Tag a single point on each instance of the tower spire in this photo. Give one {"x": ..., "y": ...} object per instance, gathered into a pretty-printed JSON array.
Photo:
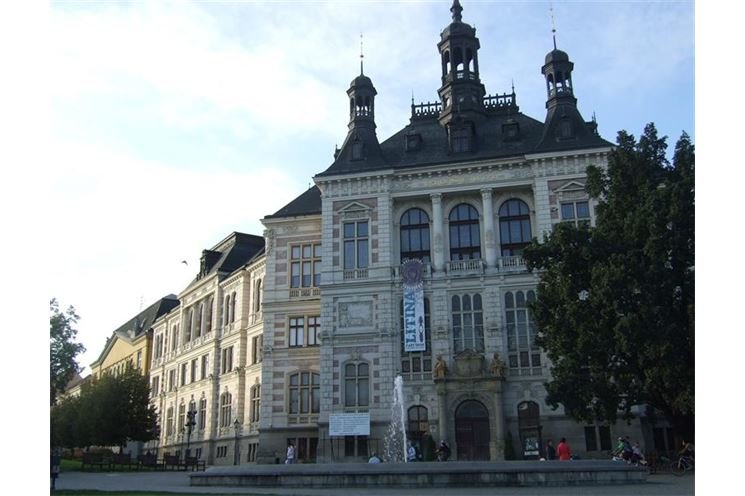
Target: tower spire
[
  {"x": 553, "y": 25},
  {"x": 362, "y": 56},
  {"x": 456, "y": 9}
]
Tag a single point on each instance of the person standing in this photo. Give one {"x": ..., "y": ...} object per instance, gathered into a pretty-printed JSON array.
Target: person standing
[
  {"x": 550, "y": 450},
  {"x": 563, "y": 450},
  {"x": 411, "y": 453},
  {"x": 290, "y": 454},
  {"x": 443, "y": 452}
]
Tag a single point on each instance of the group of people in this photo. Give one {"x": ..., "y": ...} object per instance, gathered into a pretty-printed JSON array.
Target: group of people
[
  {"x": 561, "y": 451},
  {"x": 627, "y": 452}
]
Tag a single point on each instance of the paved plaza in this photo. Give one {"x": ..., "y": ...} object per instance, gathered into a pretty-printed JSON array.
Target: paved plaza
[{"x": 178, "y": 482}]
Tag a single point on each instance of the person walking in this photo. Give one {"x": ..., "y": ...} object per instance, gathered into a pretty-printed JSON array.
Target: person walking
[
  {"x": 563, "y": 450},
  {"x": 550, "y": 450},
  {"x": 290, "y": 454}
]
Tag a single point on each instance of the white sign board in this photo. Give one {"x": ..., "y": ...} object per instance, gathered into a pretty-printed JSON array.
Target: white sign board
[{"x": 349, "y": 424}]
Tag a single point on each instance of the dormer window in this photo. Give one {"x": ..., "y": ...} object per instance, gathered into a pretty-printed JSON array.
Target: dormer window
[
  {"x": 565, "y": 130},
  {"x": 460, "y": 140},
  {"x": 511, "y": 131},
  {"x": 357, "y": 149},
  {"x": 413, "y": 142}
]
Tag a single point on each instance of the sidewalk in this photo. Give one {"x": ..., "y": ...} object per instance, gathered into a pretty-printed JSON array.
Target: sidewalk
[{"x": 178, "y": 482}]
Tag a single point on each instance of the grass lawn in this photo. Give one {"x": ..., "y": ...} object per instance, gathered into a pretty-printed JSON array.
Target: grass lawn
[{"x": 69, "y": 465}]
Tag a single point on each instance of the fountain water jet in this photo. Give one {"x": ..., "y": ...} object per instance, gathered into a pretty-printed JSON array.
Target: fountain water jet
[{"x": 395, "y": 443}]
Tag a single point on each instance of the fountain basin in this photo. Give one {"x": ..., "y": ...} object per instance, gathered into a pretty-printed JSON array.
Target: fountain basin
[{"x": 425, "y": 474}]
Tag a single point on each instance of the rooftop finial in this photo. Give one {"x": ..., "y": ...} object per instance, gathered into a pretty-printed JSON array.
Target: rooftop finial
[
  {"x": 553, "y": 25},
  {"x": 456, "y": 9},
  {"x": 362, "y": 56}
]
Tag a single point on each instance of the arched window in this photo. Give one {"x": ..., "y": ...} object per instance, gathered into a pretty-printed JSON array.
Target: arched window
[
  {"x": 514, "y": 227},
  {"x": 232, "y": 308},
  {"x": 468, "y": 323},
  {"x": 305, "y": 393},
  {"x": 465, "y": 237},
  {"x": 357, "y": 385},
  {"x": 208, "y": 318},
  {"x": 523, "y": 353},
  {"x": 418, "y": 424},
  {"x": 255, "y": 403},
  {"x": 226, "y": 404},
  {"x": 226, "y": 312},
  {"x": 415, "y": 235},
  {"x": 200, "y": 314}
]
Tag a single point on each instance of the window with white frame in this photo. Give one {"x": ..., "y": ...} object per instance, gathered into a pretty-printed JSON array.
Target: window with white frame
[
  {"x": 465, "y": 236},
  {"x": 468, "y": 322},
  {"x": 414, "y": 233},
  {"x": 357, "y": 385},
  {"x": 208, "y": 315},
  {"x": 232, "y": 307},
  {"x": 305, "y": 393},
  {"x": 227, "y": 360},
  {"x": 305, "y": 265},
  {"x": 576, "y": 212},
  {"x": 169, "y": 421},
  {"x": 174, "y": 337},
  {"x": 193, "y": 371},
  {"x": 523, "y": 353},
  {"x": 202, "y": 417},
  {"x": 205, "y": 366},
  {"x": 183, "y": 373},
  {"x": 514, "y": 227},
  {"x": 226, "y": 405},
  {"x": 304, "y": 331},
  {"x": 171, "y": 379},
  {"x": 181, "y": 416},
  {"x": 255, "y": 396},
  {"x": 257, "y": 352},
  {"x": 356, "y": 247},
  {"x": 155, "y": 388},
  {"x": 257, "y": 296}
]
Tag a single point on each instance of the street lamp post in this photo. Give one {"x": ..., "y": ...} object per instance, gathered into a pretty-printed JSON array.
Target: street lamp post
[
  {"x": 236, "y": 455},
  {"x": 190, "y": 423}
]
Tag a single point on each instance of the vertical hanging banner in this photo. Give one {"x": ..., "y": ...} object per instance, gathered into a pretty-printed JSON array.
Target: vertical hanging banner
[{"x": 414, "y": 331}]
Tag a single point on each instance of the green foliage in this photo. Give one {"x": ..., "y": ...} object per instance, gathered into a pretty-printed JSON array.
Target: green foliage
[
  {"x": 63, "y": 348},
  {"x": 615, "y": 303},
  {"x": 109, "y": 412}
]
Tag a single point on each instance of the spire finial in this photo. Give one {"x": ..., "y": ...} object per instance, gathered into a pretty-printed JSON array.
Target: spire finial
[
  {"x": 553, "y": 25},
  {"x": 362, "y": 56},
  {"x": 456, "y": 9},
  {"x": 412, "y": 96}
]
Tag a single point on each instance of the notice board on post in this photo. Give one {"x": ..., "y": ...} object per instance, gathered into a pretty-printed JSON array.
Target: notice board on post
[{"x": 349, "y": 424}]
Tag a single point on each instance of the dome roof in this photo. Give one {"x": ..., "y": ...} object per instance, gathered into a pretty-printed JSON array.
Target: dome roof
[
  {"x": 361, "y": 80},
  {"x": 556, "y": 55}
]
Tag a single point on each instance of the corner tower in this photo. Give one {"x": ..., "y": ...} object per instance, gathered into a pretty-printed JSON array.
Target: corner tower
[{"x": 461, "y": 93}]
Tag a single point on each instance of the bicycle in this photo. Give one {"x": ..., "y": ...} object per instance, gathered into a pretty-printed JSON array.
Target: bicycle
[{"x": 682, "y": 465}]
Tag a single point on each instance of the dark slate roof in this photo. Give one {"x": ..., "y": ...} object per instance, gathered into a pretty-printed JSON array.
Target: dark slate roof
[
  {"x": 229, "y": 255},
  {"x": 140, "y": 323},
  {"x": 583, "y": 133},
  {"x": 308, "y": 203}
]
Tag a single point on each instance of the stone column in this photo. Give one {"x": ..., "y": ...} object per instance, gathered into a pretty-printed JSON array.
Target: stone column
[
  {"x": 438, "y": 258},
  {"x": 499, "y": 419},
  {"x": 442, "y": 424},
  {"x": 490, "y": 241}
]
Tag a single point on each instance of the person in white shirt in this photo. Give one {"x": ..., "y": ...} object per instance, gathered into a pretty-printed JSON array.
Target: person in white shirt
[{"x": 290, "y": 454}]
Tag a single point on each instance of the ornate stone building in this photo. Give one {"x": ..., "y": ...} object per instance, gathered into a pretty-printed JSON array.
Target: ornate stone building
[{"x": 309, "y": 326}]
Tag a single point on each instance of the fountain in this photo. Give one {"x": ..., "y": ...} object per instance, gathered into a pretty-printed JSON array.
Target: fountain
[{"x": 394, "y": 444}]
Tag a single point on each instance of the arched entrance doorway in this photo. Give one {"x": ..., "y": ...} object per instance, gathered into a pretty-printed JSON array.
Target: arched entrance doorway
[{"x": 472, "y": 431}]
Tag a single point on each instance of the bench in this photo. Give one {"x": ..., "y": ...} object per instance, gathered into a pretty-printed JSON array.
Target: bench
[
  {"x": 172, "y": 461},
  {"x": 99, "y": 460},
  {"x": 149, "y": 460},
  {"x": 194, "y": 464},
  {"x": 123, "y": 460}
]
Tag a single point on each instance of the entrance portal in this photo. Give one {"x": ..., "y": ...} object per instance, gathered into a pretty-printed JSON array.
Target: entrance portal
[{"x": 472, "y": 431}]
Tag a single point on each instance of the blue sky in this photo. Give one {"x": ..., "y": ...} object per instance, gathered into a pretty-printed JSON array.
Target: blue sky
[{"x": 180, "y": 122}]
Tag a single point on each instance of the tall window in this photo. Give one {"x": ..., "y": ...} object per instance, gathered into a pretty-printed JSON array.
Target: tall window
[
  {"x": 189, "y": 315},
  {"x": 232, "y": 308},
  {"x": 202, "y": 418},
  {"x": 304, "y": 331},
  {"x": 169, "y": 421},
  {"x": 597, "y": 438},
  {"x": 357, "y": 385},
  {"x": 417, "y": 364},
  {"x": 257, "y": 343},
  {"x": 255, "y": 403},
  {"x": 174, "y": 337},
  {"x": 465, "y": 238},
  {"x": 468, "y": 323},
  {"x": 418, "y": 423},
  {"x": 576, "y": 212},
  {"x": 208, "y": 317},
  {"x": 194, "y": 369},
  {"x": 226, "y": 400},
  {"x": 305, "y": 266},
  {"x": 205, "y": 365},
  {"x": 171, "y": 379},
  {"x": 356, "y": 239},
  {"x": 415, "y": 235},
  {"x": 183, "y": 373},
  {"x": 305, "y": 392},
  {"x": 227, "y": 360},
  {"x": 257, "y": 296},
  {"x": 181, "y": 416},
  {"x": 227, "y": 310},
  {"x": 514, "y": 227},
  {"x": 460, "y": 140},
  {"x": 522, "y": 351},
  {"x": 199, "y": 315},
  {"x": 155, "y": 388}
]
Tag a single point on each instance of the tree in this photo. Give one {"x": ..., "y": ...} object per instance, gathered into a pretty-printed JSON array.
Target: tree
[
  {"x": 110, "y": 411},
  {"x": 63, "y": 348},
  {"x": 615, "y": 304}
]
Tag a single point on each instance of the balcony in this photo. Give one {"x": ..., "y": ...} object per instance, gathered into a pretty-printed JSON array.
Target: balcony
[
  {"x": 355, "y": 274},
  {"x": 514, "y": 263},
  {"x": 308, "y": 292},
  {"x": 465, "y": 267}
]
